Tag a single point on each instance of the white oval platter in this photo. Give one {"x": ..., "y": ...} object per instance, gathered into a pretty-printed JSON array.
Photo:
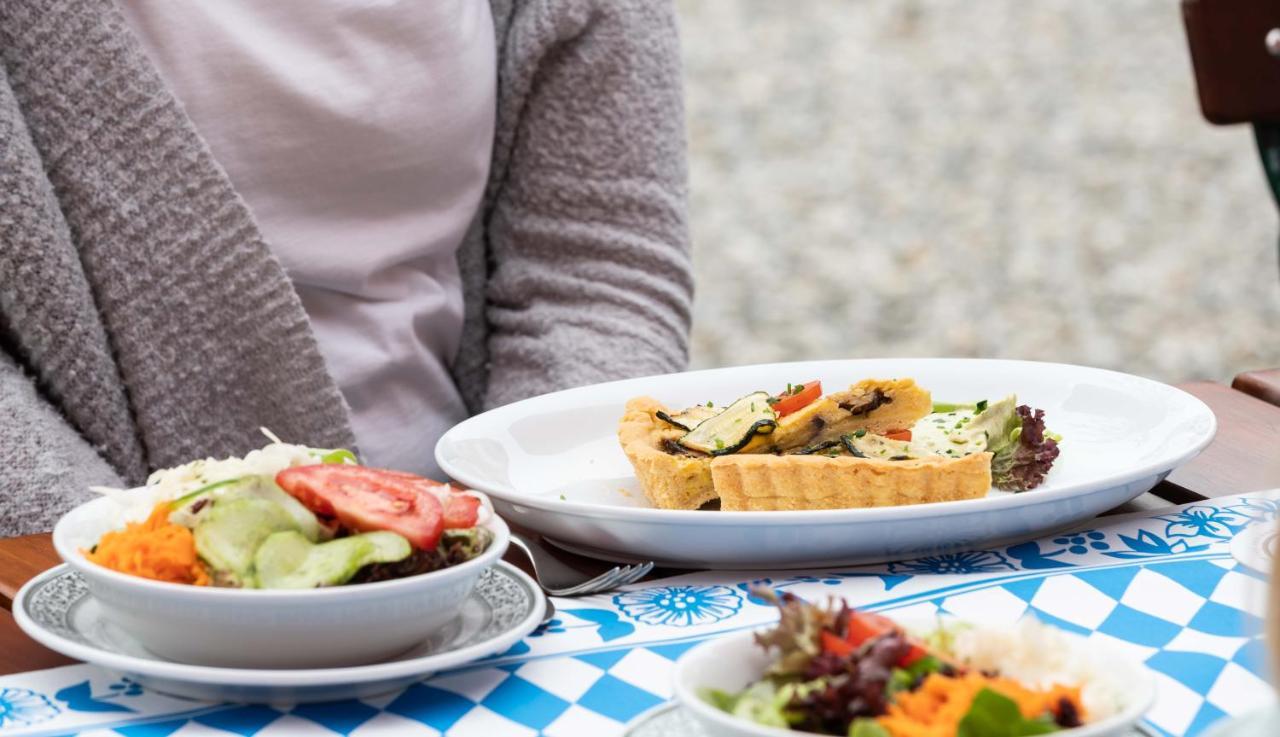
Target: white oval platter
[{"x": 553, "y": 464}]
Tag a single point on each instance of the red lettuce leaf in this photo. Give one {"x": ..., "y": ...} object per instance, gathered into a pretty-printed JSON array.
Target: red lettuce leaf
[{"x": 1022, "y": 464}]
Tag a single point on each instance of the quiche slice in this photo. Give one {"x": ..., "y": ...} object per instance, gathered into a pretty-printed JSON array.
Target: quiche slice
[
  {"x": 749, "y": 458},
  {"x": 672, "y": 477}
]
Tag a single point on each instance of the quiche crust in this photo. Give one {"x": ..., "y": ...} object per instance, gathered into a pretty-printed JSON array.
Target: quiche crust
[
  {"x": 769, "y": 482},
  {"x": 670, "y": 481}
]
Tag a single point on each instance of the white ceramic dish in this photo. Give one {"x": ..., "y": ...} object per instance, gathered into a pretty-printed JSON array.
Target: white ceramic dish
[
  {"x": 56, "y": 610},
  {"x": 251, "y": 628},
  {"x": 552, "y": 463},
  {"x": 733, "y": 662},
  {"x": 1256, "y": 547}
]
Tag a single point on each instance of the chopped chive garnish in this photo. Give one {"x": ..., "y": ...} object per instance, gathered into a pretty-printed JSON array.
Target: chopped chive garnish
[
  {"x": 719, "y": 444},
  {"x": 980, "y": 407},
  {"x": 860, "y": 433}
]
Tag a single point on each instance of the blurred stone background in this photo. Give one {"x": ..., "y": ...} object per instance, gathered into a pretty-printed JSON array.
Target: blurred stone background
[{"x": 994, "y": 178}]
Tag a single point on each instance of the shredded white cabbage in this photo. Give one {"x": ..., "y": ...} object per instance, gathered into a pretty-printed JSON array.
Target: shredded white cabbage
[
  {"x": 1039, "y": 655},
  {"x": 267, "y": 461},
  {"x": 170, "y": 483}
]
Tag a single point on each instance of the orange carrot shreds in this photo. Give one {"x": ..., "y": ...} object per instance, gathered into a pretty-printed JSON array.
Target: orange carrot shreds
[
  {"x": 936, "y": 708},
  {"x": 157, "y": 549}
]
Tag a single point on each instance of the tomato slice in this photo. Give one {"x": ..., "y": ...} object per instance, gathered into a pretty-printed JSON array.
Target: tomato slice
[
  {"x": 899, "y": 435},
  {"x": 368, "y": 499},
  {"x": 864, "y": 626},
  {"x": 461, "y": 511},
  {"x": 797, "y": 397},
  {"x": 832, "y": 643},
  {"x": 917, "y": 652}
]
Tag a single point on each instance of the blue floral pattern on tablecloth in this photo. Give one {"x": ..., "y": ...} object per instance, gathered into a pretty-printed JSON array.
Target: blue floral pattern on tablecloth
[
  {"x": 1100, "y": 579},
  {"x": 1146, "y": 544},
  {"x": 679, "y": 606},
  {"x": 21, "y": 707},
  {"x": 1080, "y": 542},
  {"x": 976, "y": 561},
  {"x": 1205, "y": 521}
]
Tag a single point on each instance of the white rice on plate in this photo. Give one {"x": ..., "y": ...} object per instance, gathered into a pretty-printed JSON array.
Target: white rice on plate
[{"x": 1039, "y": 655}]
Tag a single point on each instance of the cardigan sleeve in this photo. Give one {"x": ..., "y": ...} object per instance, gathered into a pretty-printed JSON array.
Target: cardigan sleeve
[
  {"x": 590, "y": 271},
  {"x": 46, "y": 467}
]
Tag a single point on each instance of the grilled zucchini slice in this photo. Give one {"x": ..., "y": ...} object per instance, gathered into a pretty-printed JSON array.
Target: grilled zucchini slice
[
  {"x": 690, "y": 418},
  {"x": 731, "y": 430}
]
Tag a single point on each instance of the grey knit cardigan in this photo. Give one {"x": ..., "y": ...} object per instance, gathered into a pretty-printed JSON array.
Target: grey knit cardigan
[{"x": 144, "y": 321}]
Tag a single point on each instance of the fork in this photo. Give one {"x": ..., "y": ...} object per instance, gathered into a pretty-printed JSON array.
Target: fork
[{"x": 558, "y": 578}]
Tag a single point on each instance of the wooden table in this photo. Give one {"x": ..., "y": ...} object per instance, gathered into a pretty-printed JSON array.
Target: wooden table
[{"x": 1242, "y": 458}]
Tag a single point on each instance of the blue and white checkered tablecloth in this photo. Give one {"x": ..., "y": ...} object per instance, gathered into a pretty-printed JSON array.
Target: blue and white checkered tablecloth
[{"x": 1162, "y": 587}]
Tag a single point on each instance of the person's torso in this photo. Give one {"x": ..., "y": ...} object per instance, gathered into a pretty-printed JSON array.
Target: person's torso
[{"x": 359, "y": 134}]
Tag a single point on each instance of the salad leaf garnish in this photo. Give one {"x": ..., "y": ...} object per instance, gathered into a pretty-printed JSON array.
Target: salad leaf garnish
[
  {"x": 1023, "y": 452},
  {"x": 722, "y": 700},
  {"x": 905, "y": 679},
  {"x": 867, "y": 728},
  {"x": 796, "y": 636},
  {"x": 339, "y": 455},
  {"x": 760, "y": 702},
  {"x": 995, "y": 715},
  {"x": 852, "y": 687}
]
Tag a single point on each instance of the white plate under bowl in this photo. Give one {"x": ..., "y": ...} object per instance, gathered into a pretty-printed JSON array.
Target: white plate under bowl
[
  {"x": 1256, "y": 547},
  {"x": 57, "y": 610},
  {"x": 553, "y": 464},
  {"x": 733, "y": 662}
]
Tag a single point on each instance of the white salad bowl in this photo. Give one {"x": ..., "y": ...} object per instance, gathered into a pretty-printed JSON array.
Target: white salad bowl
[
  {"x": 733, "y": 662},
  {"x": 263, "y": 628}
]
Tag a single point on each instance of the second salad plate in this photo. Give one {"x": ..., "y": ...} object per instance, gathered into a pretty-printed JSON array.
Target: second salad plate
[
  {"x": 57, "y": 610},
  {"x": 554, "y": 463}
]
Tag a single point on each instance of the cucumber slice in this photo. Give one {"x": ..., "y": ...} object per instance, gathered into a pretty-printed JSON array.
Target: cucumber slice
[
  {"x": 288, "y": 560},
  {"x": 731, "y": 430},
  {"x": 306, "y": 520},
  {"x": 228, "y": 535},
  {"x": 188, "y": 510}
]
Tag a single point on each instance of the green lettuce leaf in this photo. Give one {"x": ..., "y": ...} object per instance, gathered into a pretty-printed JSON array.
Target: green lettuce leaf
[
  {"x": 867, "y": 728},
  {"x": 760, "y": 702},
  {"x": 995, "y": 715},
  {"x": 902, "y": 679}
]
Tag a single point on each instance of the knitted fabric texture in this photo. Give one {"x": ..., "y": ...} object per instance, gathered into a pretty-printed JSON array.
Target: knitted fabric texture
[{"x": 144, "y": 322}]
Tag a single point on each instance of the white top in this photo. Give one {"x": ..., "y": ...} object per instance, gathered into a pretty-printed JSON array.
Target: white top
[{"x": 359, "y": 133}]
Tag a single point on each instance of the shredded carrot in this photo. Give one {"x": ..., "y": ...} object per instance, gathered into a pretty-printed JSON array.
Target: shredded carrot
[
  {"x": 936, "y": 708},
  {"x": 156, "y": 549}
]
